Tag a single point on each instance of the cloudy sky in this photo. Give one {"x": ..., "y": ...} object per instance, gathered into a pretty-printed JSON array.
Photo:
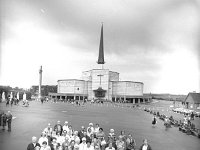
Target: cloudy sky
[{"x": 152, "y": 41}]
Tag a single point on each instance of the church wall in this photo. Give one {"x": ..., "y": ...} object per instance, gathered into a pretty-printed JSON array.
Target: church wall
[
  {"x": 113, "y": 76},
  {"x": 66, "y": 86},
  {"x": 72, "y": 86},
  {"x": 87, "y": 75},
  {"x": 128, "y": 88}
]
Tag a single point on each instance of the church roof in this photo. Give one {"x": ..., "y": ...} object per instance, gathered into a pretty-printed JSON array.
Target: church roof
[{"x": 195, "y": 97}]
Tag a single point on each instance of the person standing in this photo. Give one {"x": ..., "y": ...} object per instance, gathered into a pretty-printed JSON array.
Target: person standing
[
  {"x": 33, "y": 144},
  {"x": 110, "y": 147},
  {"x": 154, "y": 121},
  {"x": 130, "y": 143},
  {"x": 145, "y": 145},
  {"x": 7, "y": 102},
  {"x": 192, "y": 116},
  {"x": 58, "y": 128},
  {"x": 83, "y": 145},
  {"x": 4, "y": 119},
  {"x": 9, "y": 120}
]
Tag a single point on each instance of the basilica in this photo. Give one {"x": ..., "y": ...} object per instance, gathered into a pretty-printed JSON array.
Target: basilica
[{"x": 101, "y": 84}]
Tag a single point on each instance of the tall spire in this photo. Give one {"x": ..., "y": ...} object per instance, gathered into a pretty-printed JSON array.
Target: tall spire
[{"x": 101, "y": 52}]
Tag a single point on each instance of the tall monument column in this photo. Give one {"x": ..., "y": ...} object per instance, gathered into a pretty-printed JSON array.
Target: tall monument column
[{"x": 40, "y": 83}]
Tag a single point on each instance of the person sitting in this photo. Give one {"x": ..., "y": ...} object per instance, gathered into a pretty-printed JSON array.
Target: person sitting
[{"x": 145, "y": 145}]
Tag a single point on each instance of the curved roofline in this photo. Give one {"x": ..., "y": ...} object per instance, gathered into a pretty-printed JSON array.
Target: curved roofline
[
  {"x": 128, "y": 81},
  {"x": 71, "y": 79}
]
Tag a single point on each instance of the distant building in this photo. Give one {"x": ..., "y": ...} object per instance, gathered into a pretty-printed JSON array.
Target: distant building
[
  {"x": 100, "y": 84},
  {"x": 192, "y": 100},
  {"x": 45, "y": 89}
]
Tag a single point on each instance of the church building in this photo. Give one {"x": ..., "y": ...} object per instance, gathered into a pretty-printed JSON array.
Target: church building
[{"x": 102, "y": 84}]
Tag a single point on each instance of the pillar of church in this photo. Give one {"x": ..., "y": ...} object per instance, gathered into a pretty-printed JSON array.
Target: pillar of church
[{"x": 133, "y": 100}]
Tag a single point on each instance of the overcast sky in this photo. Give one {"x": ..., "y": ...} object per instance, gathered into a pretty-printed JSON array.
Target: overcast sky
[{"x": 156, "y": 42}]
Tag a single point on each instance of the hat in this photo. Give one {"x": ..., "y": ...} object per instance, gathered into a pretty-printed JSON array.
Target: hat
[
  {"x": 90, "y": 124},
  {"x": 112, "y": 130},
  {"x": 58, "y": 121},
  {"x": 49, "y": 124},
  {"x": 83, "y": 139},
  {"x": 66, "y": 122}
]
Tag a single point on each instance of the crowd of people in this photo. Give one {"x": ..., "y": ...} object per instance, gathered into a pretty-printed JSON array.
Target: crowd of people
[
  {"x": 11, "y": 101},
  {"x": 185, "y": 125},
  {"x": 5, "y": 120},
  {"x": 64, "y": 137}
]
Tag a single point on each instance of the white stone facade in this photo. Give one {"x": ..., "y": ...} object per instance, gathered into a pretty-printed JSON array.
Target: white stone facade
[{"x": 107, "y": 80}]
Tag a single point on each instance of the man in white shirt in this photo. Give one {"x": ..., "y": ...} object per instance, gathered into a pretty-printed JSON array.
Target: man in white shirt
[
  {"x": 83, "y": 145},
  {"x": 65, "y": 126}
]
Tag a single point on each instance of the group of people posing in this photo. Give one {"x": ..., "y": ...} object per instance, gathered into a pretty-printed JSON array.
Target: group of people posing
[{"x": 63, "y": 137}]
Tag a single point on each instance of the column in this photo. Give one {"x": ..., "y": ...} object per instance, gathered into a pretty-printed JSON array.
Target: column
[{"x": 133, "y": 100}]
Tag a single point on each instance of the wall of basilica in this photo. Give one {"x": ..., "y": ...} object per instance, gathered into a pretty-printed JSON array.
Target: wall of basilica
[{"x": 128, "y": 88}]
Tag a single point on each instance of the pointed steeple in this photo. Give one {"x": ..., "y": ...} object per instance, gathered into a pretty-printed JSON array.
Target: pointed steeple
[{"x": 101, "y": 51}]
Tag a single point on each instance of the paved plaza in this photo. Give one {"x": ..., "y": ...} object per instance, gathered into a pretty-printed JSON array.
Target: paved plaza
[{"x": 30, "y": 121}]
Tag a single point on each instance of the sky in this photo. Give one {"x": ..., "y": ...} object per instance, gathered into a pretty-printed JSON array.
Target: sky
[{"x": 155, "y": 42}]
